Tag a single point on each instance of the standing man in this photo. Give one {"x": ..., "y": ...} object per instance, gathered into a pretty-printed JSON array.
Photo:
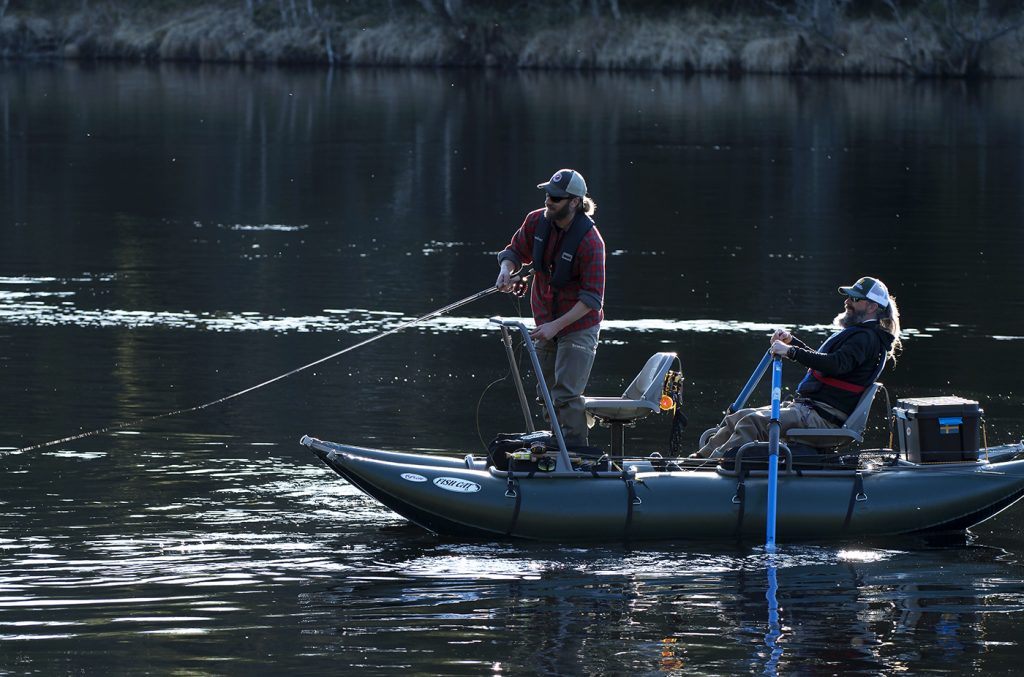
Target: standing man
[{"x": 567, "y": 253}]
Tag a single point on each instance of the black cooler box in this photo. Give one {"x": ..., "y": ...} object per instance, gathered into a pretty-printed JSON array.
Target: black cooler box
[{"x": 938, "y": 429}]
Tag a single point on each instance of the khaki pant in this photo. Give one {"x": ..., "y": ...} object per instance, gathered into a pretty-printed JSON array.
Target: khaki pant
[
  {"x": 566, "y": 363},
  {"x": 751, "y": 425}
]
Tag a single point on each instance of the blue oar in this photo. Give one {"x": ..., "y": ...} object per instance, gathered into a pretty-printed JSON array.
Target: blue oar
[
  {"x": 744, "y": 395},
  {"x": 774, "y": 634},
  {"x": 773, "y": 453}
]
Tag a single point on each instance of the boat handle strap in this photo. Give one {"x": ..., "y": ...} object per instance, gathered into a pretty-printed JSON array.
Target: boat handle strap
[{"x": 856, "y": 495}]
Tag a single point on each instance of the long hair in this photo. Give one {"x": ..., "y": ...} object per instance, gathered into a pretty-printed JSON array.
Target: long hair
[
  {"x": 587, "y": 206},
  {"x": 889, "y": 320}
]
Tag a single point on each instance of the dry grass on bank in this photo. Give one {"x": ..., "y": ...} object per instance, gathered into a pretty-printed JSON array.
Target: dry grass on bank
[{"x": 684, "y": 41}]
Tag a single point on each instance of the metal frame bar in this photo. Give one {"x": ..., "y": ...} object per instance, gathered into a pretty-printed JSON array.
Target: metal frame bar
[
  {"x": 517, "y": 378},
  {"x": 562, "y": 462}
]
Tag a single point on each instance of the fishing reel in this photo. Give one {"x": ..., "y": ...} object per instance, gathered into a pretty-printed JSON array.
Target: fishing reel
[
  {"x": 672, "y": 391},
  {"x": 520, "y": 283},
  {"x": 672, "y": 400},
  {"x": 519, "y": 287}
]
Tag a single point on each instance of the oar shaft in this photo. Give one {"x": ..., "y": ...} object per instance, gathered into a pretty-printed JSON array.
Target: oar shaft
[
  {"x": 774, "y": 428},
  {"x": 752, "y": 382}
]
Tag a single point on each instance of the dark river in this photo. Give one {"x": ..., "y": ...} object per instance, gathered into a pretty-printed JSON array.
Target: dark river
[{"x": 172, "y": 235}]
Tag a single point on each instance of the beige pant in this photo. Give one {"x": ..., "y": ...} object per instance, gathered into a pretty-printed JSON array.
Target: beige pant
[
  {"x": 566, "y": 363},
  {"x": 751, "y": 425}
]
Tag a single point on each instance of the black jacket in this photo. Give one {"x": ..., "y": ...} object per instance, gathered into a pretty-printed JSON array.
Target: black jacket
[{"x": 854, "y": 356}]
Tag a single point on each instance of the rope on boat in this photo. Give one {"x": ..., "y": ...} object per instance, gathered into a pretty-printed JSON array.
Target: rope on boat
[{"x": 146, "y": 419}]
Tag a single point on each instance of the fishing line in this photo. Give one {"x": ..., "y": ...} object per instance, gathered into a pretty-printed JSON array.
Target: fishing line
[
  {"x": 517, "y": 301},
  {"x": 479, "y": 402},
  {"x": 408, "y": 323}
]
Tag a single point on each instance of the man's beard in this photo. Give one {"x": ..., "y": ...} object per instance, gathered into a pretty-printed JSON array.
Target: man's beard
[
  {"x": 849, "y": 318},
  {"x": 562, "y": 212}
]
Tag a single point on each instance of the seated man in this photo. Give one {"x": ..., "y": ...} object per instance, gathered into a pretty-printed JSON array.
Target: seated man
[{"x": 837, "y": 373}]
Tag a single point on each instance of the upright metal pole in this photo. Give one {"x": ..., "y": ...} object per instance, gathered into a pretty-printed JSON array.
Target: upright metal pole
[
  {"x": 744, "y": 395},
  {"x": 517, "y": 378},
  {"x": 774, "y": 428},
  {"x": 562, "y": 463}
]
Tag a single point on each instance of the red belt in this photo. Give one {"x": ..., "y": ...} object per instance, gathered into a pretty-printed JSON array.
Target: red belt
[{"x": 837, "y": 383}]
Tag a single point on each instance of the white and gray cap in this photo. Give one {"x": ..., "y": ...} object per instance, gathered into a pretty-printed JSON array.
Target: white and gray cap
[
  {"x": 565, "y": 183},
  {"x": 869, "y": 288}
]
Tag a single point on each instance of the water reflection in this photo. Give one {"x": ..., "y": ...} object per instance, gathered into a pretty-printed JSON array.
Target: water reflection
[
  {"x": 667, "y": 610},
  {"x": 774, "y": 633}
]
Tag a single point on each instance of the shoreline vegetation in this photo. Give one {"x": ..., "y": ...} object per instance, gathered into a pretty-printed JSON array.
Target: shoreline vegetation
[{"x": 926, "y": 38}]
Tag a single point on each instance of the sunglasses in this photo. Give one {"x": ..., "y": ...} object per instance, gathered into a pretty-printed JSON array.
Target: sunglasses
[{"x": 558, "y": 199}]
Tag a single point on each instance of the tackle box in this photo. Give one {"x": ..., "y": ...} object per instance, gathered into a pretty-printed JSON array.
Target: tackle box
[{"x": 938, "y": 429}]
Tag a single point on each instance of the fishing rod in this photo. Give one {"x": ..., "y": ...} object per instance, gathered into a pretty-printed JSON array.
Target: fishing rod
[{"x": 518, "y": 288}]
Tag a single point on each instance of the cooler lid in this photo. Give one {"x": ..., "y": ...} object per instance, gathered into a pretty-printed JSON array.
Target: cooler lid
[{"x": 944, "y": 404}]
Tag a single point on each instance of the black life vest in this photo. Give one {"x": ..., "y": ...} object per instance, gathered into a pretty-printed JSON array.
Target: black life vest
[
  {"x": 831, "y": 344},
  {"x": 559, "y": 271}
]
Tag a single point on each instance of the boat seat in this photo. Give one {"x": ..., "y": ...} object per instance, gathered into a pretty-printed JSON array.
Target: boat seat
[
  {"x": 851, "y": 431},
  {"x": 641, "y": 398}
]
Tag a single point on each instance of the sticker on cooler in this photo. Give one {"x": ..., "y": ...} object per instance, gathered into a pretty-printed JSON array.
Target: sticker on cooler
[{"x": 950, "y": 425}]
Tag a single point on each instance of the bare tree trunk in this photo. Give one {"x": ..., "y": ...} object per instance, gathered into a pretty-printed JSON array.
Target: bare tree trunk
[
  {"x": 447, "y": 10},
  {"x": 819, "y": 18},
  {"x": 3, "y": 8},
  {"x": 613, "y": 6},
  {"x": 823, "y": 14},
  {"x": 311, "y": 10},
  {"x": 453, "y": 8},
  {"x": 963, "y": 42},
  {"x": 328, "y": 45},
  {"x": 250, "y": 9},
  {"x": 284, "y": 11}
]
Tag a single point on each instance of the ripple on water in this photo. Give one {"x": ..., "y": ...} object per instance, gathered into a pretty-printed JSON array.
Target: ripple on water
[{"x": 35, "y": 307}]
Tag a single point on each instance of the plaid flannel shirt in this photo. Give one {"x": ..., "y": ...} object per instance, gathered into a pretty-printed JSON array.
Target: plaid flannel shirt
[{"x": 586, "y": 283}]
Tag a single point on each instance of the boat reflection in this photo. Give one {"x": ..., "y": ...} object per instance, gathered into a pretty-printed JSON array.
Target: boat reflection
[{"x": 673, "y": 609}]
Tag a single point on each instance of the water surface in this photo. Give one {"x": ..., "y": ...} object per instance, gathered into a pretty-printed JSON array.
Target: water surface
[{"x": 170, "y": 235}]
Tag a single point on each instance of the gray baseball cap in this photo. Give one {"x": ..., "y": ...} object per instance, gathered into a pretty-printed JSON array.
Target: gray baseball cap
[
  {"x": 868, "y": 288},
  {"x": 565, "y": 183}
]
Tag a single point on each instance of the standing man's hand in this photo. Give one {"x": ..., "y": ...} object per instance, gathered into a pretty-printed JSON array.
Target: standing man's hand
[
  {"x": 546, "y": 331},
  {"x": 504, "y": 281},
  {"x": 549, "y": 330}
]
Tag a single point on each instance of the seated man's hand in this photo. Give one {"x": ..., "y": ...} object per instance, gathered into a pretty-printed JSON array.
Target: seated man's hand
[{"x": 780, "y": 348}]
